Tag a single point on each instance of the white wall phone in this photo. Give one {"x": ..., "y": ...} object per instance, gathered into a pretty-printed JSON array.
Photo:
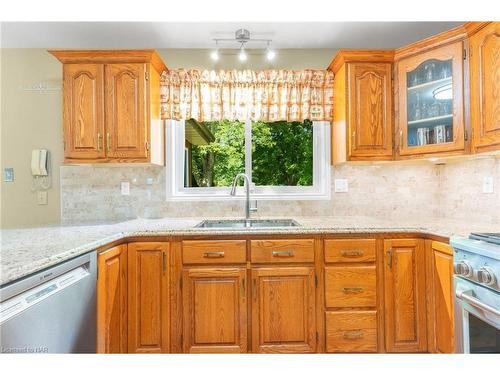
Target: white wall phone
[
  {"x": 39, "y": 163},
  {"x": 40, "y": 169}
]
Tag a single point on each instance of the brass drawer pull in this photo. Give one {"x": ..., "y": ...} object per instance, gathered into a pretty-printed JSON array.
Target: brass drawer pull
[
  {"x": 99, "y": 142},
  {"x": 214, "y": 254},
  {"x": 108, "y": 142},
  {"x": 356, "y": 334},
  {"x": 351, "y": 253},
  {"x": 283, "y": 254},
  {"x": 352, "y": 290}
]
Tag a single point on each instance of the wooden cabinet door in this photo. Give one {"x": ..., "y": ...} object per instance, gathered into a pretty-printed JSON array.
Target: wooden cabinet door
[
  {"x": 405, "y": 310},
  {"x": 112, "y": 300},
  {"x": 148, "y": 302},
  {"x": 453, "y": 116},
  {"x": 215, "y": 310},
  {"x": 440, "y": 297},
  {"x": 283, "y": 310},
  {"x": 126, "y": 135},
  {"x": 83, "y": 114},
  {"x": 485, "y": 87},
  {"x": 370, "y": 110}
]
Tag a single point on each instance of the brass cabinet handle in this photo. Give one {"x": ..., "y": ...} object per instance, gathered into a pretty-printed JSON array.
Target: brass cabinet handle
[
  {"x": 283, "y": 254},
  {"x": 214, "y": 254},
  {"x": 108, "y": 142},
  {"x": 164, "y": 262},
  {"x": 254, "y": 289},
  {"x": 243, "y": 289},
  {"x": 352, "y": 290},
  {"x": 99, "y": 141},
  {"x": 389, "y": 260},
  {"x": 355, "y": 334},
  {"x": 351, "y": 253},
  {"x": 401, "y": 139}
]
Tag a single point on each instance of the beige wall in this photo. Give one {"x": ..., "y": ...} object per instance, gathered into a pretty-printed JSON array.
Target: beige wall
[
  {"x": 34, "y": 120},
  {"x": 29, "y": 120}
]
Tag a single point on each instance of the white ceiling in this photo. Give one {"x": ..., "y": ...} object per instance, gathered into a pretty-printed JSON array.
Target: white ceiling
[{"x": 199, "y": 35}]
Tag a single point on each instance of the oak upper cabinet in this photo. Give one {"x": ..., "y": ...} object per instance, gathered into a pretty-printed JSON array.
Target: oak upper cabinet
[
  {"x": 83, "y": 112},
  {"x": 363, "y": 110},
  {"x": 440, "y": 297},
  {"x": 405, "y": 309},
  {"x": 112, "y": 106},
  {"x": 283, "y": 310},
  {"x": 215, "y": 310},
  {"x": 112, "y": 300},
  {"x": 125, "y": 111},
  {"x": 430, "y": 94},
  {"x": 148, "y": 297},
  {"x": 485, "y": 87}
]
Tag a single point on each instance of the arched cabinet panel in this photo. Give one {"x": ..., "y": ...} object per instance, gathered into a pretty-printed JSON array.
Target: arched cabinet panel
[{"x": 83, "y": 111}]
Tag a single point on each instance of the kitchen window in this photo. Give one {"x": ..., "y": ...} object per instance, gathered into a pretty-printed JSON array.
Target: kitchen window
[{"x": 284, "y": 160}]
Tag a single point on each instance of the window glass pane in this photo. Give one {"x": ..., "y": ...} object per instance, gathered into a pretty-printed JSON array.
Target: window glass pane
[
  {"x": 215, "y": 153},
  {"x": 282, "y": 153}
]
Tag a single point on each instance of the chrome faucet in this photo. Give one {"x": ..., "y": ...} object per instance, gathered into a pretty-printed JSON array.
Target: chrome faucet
[{"x": 248, "y": 209}]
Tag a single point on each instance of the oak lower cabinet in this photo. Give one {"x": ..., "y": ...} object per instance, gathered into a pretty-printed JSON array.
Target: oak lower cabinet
[
  {"x": 351, "y": 296},
  {"x": 111, "y": 106},
  {"x": 215, "y": 310},
  {"x": 148, "y": 297},
  {"x": 404, "y": 288},
  {"x": 283, "y": 310},
  {"x": 112, "y": 300},
  {"x": 440, "y": 308},
  {"x": 485, "y": 87}
]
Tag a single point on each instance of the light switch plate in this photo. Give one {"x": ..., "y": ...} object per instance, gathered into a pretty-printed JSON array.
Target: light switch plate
[
  {"x": 488, "y": 185},
  {"x": 42, "y": 198},
  {"x": 8, "y": 174},
  {"x": 125, "y": 188},
  {"x": 341, "y": 185}
]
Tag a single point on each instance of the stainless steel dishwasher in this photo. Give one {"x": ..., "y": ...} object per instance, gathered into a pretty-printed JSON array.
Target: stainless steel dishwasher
[{"x": 53, "y": 311}]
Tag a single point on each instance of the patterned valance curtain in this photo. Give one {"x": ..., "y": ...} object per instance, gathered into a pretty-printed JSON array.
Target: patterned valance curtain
[{"x": 270, "y": 95}]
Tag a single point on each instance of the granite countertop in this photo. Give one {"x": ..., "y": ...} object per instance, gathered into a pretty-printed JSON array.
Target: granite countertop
[{"x": 28, "y": 250}]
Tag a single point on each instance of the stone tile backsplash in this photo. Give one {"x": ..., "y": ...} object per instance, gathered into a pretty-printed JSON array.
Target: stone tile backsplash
[{"x": 389, "y": 190}]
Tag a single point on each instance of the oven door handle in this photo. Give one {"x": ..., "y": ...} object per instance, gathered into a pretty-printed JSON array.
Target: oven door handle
[{"x": 476, "y": 303}]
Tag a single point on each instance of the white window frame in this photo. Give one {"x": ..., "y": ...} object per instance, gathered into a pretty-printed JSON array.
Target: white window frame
[{"x": 175, "y": 144}]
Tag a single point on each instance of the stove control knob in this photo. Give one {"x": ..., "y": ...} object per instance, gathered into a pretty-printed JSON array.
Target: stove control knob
[
  {"x": 486, "y": 276},
  {"x": 463, "y": 268}
]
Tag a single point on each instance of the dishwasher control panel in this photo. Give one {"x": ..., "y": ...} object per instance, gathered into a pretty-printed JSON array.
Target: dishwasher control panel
[{"x": 25, "y": 300}]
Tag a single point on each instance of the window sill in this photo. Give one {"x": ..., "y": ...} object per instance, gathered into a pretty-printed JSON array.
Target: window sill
[{"x": 225, "y": 196}]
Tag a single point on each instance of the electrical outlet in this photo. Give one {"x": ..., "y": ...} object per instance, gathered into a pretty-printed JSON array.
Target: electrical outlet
[
  {"x": 488, "y": 185},
  {"x": 149, "y": 181},
  {"x": 341, "y": 185},
  {"x": 42, "y": 198},
  {"x": 125, "y": 188}
]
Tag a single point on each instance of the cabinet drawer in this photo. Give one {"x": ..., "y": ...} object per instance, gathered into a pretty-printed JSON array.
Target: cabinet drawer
[
  {"x": 351, "y": 331},
  {"x": 210, "y": 252},
  {"x": 351, "y": 286},
  {"x": 282, "y": 251},
  {"x": 340, "y": 251}
]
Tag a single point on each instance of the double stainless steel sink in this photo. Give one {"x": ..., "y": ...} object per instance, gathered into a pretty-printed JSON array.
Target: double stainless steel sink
[{"x": 252, "y": 223}]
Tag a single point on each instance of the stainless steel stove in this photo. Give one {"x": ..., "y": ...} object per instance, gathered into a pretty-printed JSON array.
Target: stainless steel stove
[{"x": 477, "y": 291}]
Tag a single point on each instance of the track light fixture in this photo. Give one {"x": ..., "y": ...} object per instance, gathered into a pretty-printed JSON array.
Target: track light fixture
[
  {"x": 214, "y": 55},
  {"x": 242, "y": 36},
  {"x": 242, "y": 56}
]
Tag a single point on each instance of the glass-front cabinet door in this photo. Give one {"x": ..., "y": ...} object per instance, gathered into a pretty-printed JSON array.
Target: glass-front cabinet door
[{"x": 431, "y": 101}]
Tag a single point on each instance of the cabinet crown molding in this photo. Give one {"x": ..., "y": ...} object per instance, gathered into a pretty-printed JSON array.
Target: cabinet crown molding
[
  {"x": 110, "y": 56},
  {"x": 360, "y": 55}
]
